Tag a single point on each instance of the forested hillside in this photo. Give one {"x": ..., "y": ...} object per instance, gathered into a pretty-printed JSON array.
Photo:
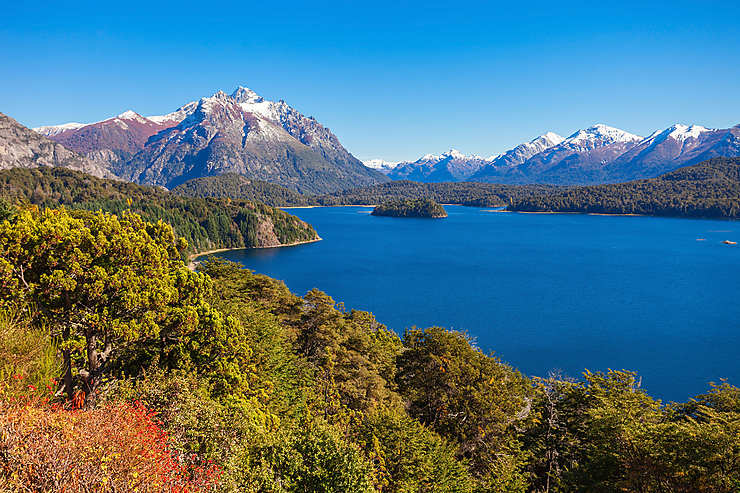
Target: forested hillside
[
  {"x": 122, "y": 370},
  {"x": 708, "y": 189},
  {"x": 477, "y": 194},
  {"x": 205, "y": 223},
  {"x": 241, "y": 188}
]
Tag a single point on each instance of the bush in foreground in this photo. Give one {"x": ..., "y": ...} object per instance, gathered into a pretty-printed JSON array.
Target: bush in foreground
[{"x": 111, "y": 448}]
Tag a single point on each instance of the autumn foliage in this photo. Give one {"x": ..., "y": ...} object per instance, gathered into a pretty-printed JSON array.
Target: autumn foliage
[{"x": 118, "y": 447}]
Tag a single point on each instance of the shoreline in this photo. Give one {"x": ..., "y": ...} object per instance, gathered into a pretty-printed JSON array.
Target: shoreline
[
  {"x": 192, "y": 262},
  {"x": 583, "y": 213},
  {"x": 488, "y": 209},
  {"x": 317, "y": 206}
]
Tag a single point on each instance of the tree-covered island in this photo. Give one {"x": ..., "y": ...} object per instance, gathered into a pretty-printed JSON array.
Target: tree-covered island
[{"x": 427, "y": 208}]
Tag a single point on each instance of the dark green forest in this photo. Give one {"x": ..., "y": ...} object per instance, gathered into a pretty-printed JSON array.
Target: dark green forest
[
  {"x": 241, "y": 188},
  {"x": 122, "y": 370},
  {"x": 410, "y": 208},
  {"x": 463, "y": 193},
  {"x": 710, "y": 189},
  {"x": 475, "y": 194},
  {"x": 205, "y": 223}
]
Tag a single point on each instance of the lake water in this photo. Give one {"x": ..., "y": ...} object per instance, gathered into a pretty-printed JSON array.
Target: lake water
[{"x": 543, "y": 291}]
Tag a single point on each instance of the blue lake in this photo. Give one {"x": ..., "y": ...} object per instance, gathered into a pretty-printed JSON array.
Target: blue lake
[{"x": 543, "y": 291}]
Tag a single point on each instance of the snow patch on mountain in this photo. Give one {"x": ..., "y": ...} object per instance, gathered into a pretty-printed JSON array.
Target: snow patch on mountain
[
  {"x": 246, "y": 95},
  {"x": 602, "y": 134},
  {"x": 50, "y": 130},
  {"x": 120, "y": 120},
  {"x": 380, "y": 164},
  {"x": 453, "y": 154},
  {"x": 176, "y": 116},
  {"x": 132, "y": 115},
  {"x": 549, "y": 137}
]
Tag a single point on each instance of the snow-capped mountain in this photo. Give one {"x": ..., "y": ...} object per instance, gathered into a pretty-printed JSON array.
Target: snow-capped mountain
[
  {"x": 596, "y": 136},
  {"x": 581, "y": 157},
  {"x": 453, "y": 165},
  {"x": 172, "y": 119},
  {"x": 113, "y": 141},
  {"x": 516, "y": 156},
  {"x": 380, "y": 165},
  {"x": 597, "y": 154},
  {"x": 449, "y": 166},
  {"x": 51, "y": 130},
  {"x": 676, "y": 146},
  {"x": 239, "y": 133},
  {"x": 122, "y": 120},
  {"x": 269, "y": 140}
]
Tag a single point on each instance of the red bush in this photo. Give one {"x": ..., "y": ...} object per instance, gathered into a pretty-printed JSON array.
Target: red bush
[{"x": 112, "y": 448}]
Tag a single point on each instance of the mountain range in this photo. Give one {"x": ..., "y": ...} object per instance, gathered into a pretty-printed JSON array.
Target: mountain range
[
  {"x": 239, "y": 133},
  {"x": 243, "y": 134},
  {"x": 597, "y": 154}
]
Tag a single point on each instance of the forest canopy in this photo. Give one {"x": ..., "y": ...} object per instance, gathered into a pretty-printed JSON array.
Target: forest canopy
[
  {"x": 119, "y": 366},
  {"x": 205, "y": 223},
  {"x": 425, "y": 208},
  {"x": 708, "y": 189}
]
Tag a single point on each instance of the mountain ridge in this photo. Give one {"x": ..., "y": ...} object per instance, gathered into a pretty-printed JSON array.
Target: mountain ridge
[
  {"x": 592, "y": 155},
  {"x": 238, "y": 133},
  {"x": 21, "y": 147}
]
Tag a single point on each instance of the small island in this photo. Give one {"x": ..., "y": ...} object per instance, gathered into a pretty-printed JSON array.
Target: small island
[{"x": 426, "y": 208}]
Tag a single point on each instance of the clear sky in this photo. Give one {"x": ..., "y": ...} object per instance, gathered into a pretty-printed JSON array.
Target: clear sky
[{"x": 393, "y": 80}]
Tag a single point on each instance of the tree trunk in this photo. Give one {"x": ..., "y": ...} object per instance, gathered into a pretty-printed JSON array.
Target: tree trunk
[
  {"x": 67, "y": 356},
  {"x": 93, "y": 367}
]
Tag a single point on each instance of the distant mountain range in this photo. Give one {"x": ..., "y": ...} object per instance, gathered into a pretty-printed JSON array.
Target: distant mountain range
[
  {"x": 598, "y": 154},
  {"x": 240, "y": 133}
]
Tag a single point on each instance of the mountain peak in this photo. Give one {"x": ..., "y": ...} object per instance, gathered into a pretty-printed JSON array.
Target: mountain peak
[
  {"x": 683, "y": 132},
  {"x": 679, "y": 132},
  {"x": 380, "y": 164},
  {"x": 128, "y": 114},
  {"x": 132, "y": 115},
  {"x": 602, "y": 132},
  {"x": 246, "y": 95},
  {"x": 455, "y": 154},
  {"x": 452, "y": 154},
  {"x": 551, "y": 137}
]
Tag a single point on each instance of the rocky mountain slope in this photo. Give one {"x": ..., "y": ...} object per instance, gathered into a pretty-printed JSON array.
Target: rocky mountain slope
[
  {"x": 20, "y": 147},
  {"x": 113, "y": 141},
  {"x": 579, "y": 158},
  {"x": 517, "y": 156},
  {"x": 240, "y": 133},
  {"x": 666, "y": 150}
]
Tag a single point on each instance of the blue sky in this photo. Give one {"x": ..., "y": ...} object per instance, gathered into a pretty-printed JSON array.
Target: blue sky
[{"x": 393, "y": 80}]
